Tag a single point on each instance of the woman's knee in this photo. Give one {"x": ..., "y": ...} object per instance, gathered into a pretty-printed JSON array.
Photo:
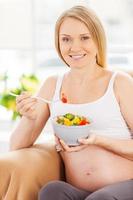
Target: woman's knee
[
  {"x": 52, "y": 189},
  {"x": 100, "y": 195}
]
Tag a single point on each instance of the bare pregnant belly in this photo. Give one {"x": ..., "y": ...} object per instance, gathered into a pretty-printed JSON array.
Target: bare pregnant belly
[{"x": 95, "y": 167}]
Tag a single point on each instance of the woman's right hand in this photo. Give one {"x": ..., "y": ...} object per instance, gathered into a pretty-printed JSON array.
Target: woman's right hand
[{"x": 26, "y": 105}]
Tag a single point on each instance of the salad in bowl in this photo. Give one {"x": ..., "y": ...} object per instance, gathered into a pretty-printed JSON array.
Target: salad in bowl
[{"x": 70, "y": 128}]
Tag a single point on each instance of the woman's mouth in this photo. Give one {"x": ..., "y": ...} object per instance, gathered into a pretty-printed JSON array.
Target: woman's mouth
[{"x": 77, "y": 57}]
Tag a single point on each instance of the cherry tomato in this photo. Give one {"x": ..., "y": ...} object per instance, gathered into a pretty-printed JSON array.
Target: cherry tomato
[
  {"x": 83, "y": 122},
  {"x": 64, "y": 98}
]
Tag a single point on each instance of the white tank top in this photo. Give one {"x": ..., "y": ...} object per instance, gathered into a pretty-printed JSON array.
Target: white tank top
[{"x": 105, "y": 114}]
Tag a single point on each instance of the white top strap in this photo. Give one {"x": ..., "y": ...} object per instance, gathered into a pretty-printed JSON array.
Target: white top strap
[
  {"x": 58, "y": 87},
  {"x": 111, "y": 82}
]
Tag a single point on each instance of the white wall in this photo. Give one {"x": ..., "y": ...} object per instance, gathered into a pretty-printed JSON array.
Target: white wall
[{"x": 15, "y": 24}]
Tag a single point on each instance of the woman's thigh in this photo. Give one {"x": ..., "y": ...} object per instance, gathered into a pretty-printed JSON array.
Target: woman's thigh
[
  {"x": 117, "y": 191},
  {"x": 62, "y": 191}
]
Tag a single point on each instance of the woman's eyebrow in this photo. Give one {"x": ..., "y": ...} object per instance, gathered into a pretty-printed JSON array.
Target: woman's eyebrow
[
  {"x": 85, "y": 34},
  {"x": 65, "y": 34},
  {"x": 79, "y": 34}
]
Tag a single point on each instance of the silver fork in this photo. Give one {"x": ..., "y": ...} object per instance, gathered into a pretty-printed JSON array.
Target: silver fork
[{"x": 39, "y": 98}]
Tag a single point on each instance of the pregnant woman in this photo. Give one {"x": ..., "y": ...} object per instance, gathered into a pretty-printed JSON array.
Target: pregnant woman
[{"x": 101, "y": 167}]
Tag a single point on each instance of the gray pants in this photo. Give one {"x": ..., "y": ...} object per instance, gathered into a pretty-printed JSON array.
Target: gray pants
[{"x": 59, "y": 190}]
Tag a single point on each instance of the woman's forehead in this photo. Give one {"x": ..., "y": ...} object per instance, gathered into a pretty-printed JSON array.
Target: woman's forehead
[{"x": 71, "y": 25}]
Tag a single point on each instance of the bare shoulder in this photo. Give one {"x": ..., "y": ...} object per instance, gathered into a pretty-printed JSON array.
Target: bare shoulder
[
  {"x": 48, "y": 87},
  {"x": 50, "y": 81},
  {"x": 123, "y": 79},
  {"x": 123, "y": 83}
]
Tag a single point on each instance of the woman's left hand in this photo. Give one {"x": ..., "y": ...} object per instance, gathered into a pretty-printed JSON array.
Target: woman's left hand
[{"x": 83, "y": 143}]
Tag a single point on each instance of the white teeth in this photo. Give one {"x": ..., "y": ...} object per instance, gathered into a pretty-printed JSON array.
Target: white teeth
[{"x": 77, "y": 56}]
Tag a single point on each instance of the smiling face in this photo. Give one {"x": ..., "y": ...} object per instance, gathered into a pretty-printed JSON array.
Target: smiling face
[{"x": 76, "y": 44}]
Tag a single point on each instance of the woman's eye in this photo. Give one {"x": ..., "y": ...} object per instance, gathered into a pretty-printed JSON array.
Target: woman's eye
[
  {"x": 65, "y": 39},
  {"x": 85, "y": 38}
]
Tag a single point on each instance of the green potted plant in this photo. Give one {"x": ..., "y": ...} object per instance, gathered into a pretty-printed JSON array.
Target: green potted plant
[{"x": 27, "y": 83}]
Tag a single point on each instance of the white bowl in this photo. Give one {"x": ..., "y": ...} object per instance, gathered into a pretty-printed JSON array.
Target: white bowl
[{"x": 71, "y": 134}]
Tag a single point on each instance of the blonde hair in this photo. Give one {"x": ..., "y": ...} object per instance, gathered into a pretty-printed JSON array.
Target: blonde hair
[{"x": 90, "y": 19}]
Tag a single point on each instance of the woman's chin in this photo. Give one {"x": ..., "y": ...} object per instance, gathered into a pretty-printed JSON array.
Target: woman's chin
[{"x": 76, "y": 66}]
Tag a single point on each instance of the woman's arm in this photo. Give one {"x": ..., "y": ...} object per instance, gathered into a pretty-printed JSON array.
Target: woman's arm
[
  {"x": 124, "y": 91},
  {"x": 35, "y": 116},
  {"x": 27, "y": 131},
  {"x": 121, "y": 147}
]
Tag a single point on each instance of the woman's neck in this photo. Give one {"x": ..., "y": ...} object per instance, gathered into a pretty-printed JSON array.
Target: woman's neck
[{"x": 85, "y": 74}]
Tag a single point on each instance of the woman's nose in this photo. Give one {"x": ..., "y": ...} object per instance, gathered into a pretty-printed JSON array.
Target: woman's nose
[{"x": 75, "y": 45}]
